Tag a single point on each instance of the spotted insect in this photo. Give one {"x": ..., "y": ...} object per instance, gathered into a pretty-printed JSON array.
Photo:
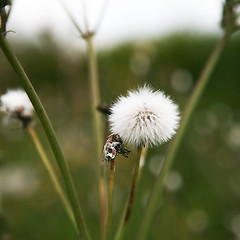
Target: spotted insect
[{"x": 114, "y": 145}]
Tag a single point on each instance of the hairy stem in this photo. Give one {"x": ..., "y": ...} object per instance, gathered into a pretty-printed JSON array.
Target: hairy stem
[
  {"x": 43, "y": 117},
  {"x": 155, "y": 195},
  {"x": 51, "y": 172},
  {"x": 128, "y": 209},
  {"x": 110, "y": 199}
]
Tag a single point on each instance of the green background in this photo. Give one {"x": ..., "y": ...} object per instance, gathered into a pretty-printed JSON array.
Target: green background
[{"x": 204, "y": 200}]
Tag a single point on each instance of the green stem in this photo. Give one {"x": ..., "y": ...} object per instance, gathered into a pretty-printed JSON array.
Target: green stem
[
  {"x": 143, "y": 158},
  {"x": 95, "y": 96},
  {"x": 110, "y": 199},
  {"x": 51, "y": 172},
  {"x": 155, "y": 195},
  {"x": 1, "y": 200},
  {"x": 128, "y": 208},
  {"x": 102, "y": 199},
  {"x": 97, "y": 122},
  {"x": 82, "y": 230}
]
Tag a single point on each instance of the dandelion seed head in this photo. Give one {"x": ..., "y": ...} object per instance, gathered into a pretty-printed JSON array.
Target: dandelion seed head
[
  {"x": 16, "y": 101},
  {"x": 144, "y": 116}
]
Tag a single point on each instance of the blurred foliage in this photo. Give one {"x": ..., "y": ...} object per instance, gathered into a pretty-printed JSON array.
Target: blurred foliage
[{"x": 201, "y": 198}]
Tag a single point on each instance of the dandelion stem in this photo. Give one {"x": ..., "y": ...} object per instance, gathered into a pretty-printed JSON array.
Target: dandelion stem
[
  {"x": 142, "y": 159},
  {"x": 43, "y": 117},
  {"x": 51, "y": 172},
  {"x": 155, "y": 195},
  {"x": 133, "y": 188},
  {"x": 128, "y": 209},
  {"x": 110, "y": 199}
]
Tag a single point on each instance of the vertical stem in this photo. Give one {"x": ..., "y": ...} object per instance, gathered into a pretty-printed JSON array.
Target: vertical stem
[
  {"x": 43, "y": 117},
  {"x": 155, "y": 195},
  {"x": 133, "y": 188},
  {"x": 51, "y": 172},
  {"x": 102, "y": 199},
  {"x": 95, "y": 95},
  {"x": 143, "y": 158},
  {"x": 110, "y": 199},
  {"x": 128, "y": 209},
  {"x": 1, "y": 200}
]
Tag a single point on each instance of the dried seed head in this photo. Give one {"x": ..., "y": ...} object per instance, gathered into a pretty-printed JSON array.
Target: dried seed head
[{"x": 17, "y": 104}]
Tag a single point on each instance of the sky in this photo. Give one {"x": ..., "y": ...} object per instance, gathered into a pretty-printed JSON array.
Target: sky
[{"x": 123, "y": 20}]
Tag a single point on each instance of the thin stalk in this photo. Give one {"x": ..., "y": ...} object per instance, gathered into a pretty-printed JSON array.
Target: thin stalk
[
  {"x": 101, "y": 15},
  {"x": 110, "y": 199},
  {"x": 128, "y": 208},
  {"x": 51, "y": 172},
  {"x": 155, "y": 195},
  {"x": 102, "y": 199},
  {"x": 43, "y": 117},
  {"x": 143, "y": 158},
  {"x": 102, "y": 190},
  {"x": 97, "y": 122},
  {"x": 74, "y": 22},
  {"x": 95, "y": 95},
  {"x": 85, "y": 18},
  {"x": 1, "y": 200}
]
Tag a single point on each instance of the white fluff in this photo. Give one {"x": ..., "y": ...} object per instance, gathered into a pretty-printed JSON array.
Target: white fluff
[
  {"x": 16, "y": 101},
  {"x": 144, "y": 116}
]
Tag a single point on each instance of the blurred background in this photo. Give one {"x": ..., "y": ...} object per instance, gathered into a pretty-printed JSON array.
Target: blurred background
[{"x": 163, "y": 44}]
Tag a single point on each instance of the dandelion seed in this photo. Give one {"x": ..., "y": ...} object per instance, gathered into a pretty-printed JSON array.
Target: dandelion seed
[
  {"x": 17, "y": 104},
  {"x": 144, "y": 116}
]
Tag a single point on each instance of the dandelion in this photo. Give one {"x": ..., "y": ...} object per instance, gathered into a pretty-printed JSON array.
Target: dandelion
[
  {"x": 17, "y": 104},
  {"x": 144, "y": 116}
]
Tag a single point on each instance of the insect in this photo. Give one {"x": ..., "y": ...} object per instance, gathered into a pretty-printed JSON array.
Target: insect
[{"x": 114, "y": 145}]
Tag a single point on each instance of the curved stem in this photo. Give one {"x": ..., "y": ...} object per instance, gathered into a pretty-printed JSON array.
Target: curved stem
[
  {"x": 128, "y": 209},
  {"x": 155, "y": 195},
  {"x": 51, "y": 171},
  {"x": 110, "y": 199},
  {"x": 43, "y": 117}
]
